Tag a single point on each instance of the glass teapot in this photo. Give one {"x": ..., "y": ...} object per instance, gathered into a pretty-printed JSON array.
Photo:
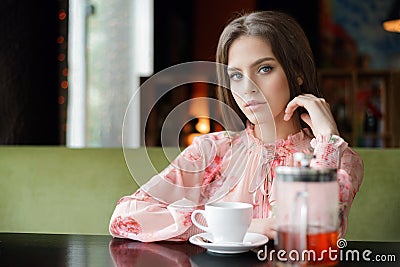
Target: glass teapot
[{"x": 307, "y": 212}]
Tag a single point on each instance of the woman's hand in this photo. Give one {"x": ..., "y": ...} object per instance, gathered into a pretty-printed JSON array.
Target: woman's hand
[
  {"x": 263, "y": 226},
  {"x": 319, "y": 117}
]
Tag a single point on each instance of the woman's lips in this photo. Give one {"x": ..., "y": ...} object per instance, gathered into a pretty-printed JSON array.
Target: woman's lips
[{"x": 254, "y": 103}]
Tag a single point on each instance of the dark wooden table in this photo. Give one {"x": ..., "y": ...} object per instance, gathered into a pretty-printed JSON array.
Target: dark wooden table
[{"x": 18, "y": 249}]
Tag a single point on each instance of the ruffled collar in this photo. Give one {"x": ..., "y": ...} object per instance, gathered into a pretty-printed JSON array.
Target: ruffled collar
[
  {"x": 273, "y": 154},
  {"x": 291, "y": 140}
]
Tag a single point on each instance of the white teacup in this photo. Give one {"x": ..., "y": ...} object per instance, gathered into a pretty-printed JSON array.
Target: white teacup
[{"x": 227, "y": 222}]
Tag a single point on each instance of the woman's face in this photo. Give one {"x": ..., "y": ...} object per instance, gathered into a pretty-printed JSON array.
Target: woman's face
[{"x": 257, "y": 80}]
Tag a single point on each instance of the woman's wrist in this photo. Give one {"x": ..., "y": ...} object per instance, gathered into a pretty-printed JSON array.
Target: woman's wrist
[{"x": 328, "y": 150}]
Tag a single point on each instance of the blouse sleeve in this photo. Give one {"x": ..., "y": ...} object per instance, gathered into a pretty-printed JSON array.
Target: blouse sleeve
[
  {"x": 333, "y": 152},
  {"x": 161, "y": 208}
]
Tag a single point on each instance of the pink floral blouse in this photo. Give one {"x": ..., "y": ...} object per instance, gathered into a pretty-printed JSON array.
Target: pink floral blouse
[{"x": 227, "y": 166}]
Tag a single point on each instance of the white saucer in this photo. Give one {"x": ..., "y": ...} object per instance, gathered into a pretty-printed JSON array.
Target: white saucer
[{"x": 251, "y": 240}]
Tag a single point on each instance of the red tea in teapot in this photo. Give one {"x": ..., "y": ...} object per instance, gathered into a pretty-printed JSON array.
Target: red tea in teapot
[{"x": 320, "y": 246}]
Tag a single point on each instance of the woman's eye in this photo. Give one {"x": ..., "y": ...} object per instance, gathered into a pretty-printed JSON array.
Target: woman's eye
[
  {"x": 235, "y": 76},
  {"x": 265, "y": 69}
]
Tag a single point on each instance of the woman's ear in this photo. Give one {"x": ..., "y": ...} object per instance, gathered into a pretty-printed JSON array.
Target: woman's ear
[{"x": 299, "y": 80}]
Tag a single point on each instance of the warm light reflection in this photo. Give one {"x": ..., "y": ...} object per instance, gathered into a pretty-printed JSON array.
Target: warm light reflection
[
  {"x": 64, "y": 84},
  {"x": 65, "y": 72},
  {"x": 61, "y": 57},
  {"x": 190, "y": 137},
  {"x": 60, "y": 39},
  {"x": 392, "y": 25},
  {"x": 61, "y": 100},
  {"x": 62, "y": 15},
  {"x": 203, "y": 125}
]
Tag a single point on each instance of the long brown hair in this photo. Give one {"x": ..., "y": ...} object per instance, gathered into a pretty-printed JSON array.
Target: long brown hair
[{"x": 288, "y": 43}]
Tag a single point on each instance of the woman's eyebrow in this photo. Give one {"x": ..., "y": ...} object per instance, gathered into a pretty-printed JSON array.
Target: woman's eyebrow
[
  {"x": 261, "y": 60},
  {"x": 232, "y": 69},
  {"x": 255, "y": 63}
]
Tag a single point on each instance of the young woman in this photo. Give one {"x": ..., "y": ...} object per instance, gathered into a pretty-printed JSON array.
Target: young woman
[{"x": 267, "y": 64}]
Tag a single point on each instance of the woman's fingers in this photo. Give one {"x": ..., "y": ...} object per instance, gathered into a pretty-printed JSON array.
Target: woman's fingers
[
  {"x": 299, "y": 101},
  {"x": 305, "y": 101}
]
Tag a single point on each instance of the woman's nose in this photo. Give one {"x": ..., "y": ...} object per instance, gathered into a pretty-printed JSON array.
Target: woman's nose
[{"x": 249, "y": 86}]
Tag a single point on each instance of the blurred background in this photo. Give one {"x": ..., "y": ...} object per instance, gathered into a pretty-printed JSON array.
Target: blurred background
[{"x": 68, "y": 69}]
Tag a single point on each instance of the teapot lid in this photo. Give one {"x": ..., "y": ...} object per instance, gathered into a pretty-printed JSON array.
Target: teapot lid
[{"x": 305, "y": 174}]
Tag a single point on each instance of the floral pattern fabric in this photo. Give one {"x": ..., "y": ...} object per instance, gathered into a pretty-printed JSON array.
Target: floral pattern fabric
[{"x": 228, "y": 166}]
